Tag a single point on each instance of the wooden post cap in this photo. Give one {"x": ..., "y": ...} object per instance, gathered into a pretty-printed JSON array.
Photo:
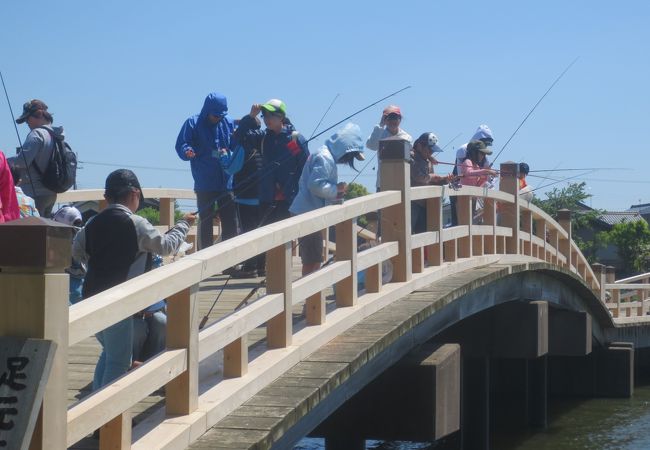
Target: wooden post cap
[
  {"x": 35, "y": 243},
  {"x": 564, "y": 214},
  {"x": 393, "y": 148},
  {"x": 509, "y": 169},
  {"x": 598, "y": 268},
  {"x": 610, "y": 269}
]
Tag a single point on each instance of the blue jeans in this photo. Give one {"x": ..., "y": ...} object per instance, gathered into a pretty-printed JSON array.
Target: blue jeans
[
  {"x": 117, "y": 348},
  {"x": 149, "y": 335},
  {"x": 75, "y": 289}
]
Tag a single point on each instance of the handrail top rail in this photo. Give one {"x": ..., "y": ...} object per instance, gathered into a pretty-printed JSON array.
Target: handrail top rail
[
  {"x": 144, "y": 290},
  {"x": 633, "y": 278},
  {"x": 82, "y": 195}
]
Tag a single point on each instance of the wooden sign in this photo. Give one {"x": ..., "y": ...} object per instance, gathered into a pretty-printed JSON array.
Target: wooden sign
[{"x": 24, "y": 369}]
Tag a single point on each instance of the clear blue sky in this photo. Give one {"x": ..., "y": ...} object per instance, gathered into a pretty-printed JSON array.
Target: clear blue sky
[{"x": 121, "y": 77}]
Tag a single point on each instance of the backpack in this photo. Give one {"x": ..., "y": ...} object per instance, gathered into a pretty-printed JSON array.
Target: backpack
[{"x": 61, "y": 171}]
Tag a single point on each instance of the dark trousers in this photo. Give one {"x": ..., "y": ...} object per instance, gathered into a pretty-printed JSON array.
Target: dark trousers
[
  {"x": 44, "y": 204},
  {"x": 249, "y": 219},
  {"x": 206, "y": 202},
  {"x": 454, "y": 216},
  {"x": 270, "y": 213}
]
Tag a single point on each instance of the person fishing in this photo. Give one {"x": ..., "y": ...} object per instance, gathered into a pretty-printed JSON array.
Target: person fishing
[
  {"x": 36, "y": 152},
  {"x": 422, "y": 163},
  {"x": 525, "y": 193},
  {"x": 200, "y": 141},
  {"x": 319, "y": 186},
  {"x": 116, "y": 245},
  {"x": 284, "y": 152},
  {"x": 244, "y": 162},
  {"x": 389, "y": 126}
]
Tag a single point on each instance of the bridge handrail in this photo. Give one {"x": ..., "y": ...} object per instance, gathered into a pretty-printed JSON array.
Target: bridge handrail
[
  {"x": 83, "y": 195},
  {"x": 642, "y": 276},
  {"x": 177, "y": 366}
]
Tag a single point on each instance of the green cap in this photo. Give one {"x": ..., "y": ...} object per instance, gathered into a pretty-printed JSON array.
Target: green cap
[{"x": 275, "y": 106}]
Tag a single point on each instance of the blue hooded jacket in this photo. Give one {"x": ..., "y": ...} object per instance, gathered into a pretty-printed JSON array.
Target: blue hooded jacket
[
  {"x": 319, "y": 177},
  {"x": 206, "y": 139}
]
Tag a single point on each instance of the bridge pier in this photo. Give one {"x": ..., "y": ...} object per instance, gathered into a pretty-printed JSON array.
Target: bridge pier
[{"x": 416, "y": 400}]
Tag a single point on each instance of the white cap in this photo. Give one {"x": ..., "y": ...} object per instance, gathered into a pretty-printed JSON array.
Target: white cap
[{"x": 68, "y": 215}]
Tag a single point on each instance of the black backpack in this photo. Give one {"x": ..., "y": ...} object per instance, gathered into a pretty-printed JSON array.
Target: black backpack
[{"x": 61, "y": 172}]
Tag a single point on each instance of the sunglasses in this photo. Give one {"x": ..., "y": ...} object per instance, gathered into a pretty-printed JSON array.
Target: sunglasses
[{"x": 393, "y": 116}]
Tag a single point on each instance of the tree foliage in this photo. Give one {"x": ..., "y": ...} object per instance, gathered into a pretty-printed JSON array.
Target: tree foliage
[
  {"x": 632, "y": 240},
  {"x": 572, "y": 197},
  {"x": 357, "y": 190}
]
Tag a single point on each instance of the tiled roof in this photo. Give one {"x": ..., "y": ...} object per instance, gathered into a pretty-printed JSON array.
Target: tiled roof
[
  {"x": 615, "y": 217},
  {"x": 641, "y": 209}
]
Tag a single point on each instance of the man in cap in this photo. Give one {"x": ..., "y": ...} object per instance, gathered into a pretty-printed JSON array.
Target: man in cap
[
  {"x": 319, "y": 186},
  {"x": 389, "y": 126},
  {"x": 284, "y": 152},
  {"x": 422, "y": 174},
  {"x": 117, "y": 245},
  {"x": 36, "y": 153},
  {"x": 201, "y": 141}
]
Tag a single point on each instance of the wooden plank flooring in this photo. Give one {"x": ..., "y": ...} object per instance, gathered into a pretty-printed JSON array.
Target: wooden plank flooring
[{"x": 83, "y": 356}]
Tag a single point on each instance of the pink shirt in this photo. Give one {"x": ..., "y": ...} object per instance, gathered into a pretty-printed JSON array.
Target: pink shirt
[{"x": 472, "y": 175}]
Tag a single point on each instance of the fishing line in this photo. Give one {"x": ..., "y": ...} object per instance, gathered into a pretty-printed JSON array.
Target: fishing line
[
  {"x": 533, "y": 109},
  {"x": 20, "y": 143},
  {"x": 323, "y": 117}
]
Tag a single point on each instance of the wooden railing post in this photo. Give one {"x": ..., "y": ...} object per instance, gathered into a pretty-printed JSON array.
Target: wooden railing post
[
  {"x": 34, "y": 297},
  {"x": 509, "y": 212},
  {"x": 601, "y": 277},
  {"x": 166, "y": 208},
  {"x": 182, "y": 393},
  {"x": 396, "y": 220},
  {"x": 464, "y": 213},
  {"x": 346, "y": 250},
  {"x": 279, "y": 330},
  {"x": 434, "y": 223},
  {"x": 610, "y": 278},
  {"x": 564, "y": 219},
  {"x": 527, "y": 226},
  {"x": 539, "y": 229},
  {"x": 490, "y": 218}
]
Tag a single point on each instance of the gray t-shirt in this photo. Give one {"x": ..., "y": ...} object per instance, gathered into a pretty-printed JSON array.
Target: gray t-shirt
[{"x": 36, "y": 153}]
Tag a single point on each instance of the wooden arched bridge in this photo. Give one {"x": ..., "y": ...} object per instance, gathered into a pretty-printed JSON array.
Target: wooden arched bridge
[{"x": 509, "y": 291}]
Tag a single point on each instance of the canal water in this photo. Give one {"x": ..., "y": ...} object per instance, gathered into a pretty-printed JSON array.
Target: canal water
[{"x": 574, "y": 424}]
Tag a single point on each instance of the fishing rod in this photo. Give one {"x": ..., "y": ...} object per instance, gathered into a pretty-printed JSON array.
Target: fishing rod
[
  {"x": 20, "y": 143},
  {"x": 533, "y": 109},
  {"x": 358, "y": 112},
  {"x": 586, "y": 168},
  {"x": 323, "y": 116},
  {"x": 207, "y": 315},
  {"x": 562, "y": 181}
]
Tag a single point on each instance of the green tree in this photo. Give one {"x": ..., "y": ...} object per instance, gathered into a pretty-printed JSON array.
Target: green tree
[
  {"x": 153, "y": 215},
  {"x": 357, "y": 190},
  {"x": 570, "y": 197},
  {"x": 632, "y": 240}
]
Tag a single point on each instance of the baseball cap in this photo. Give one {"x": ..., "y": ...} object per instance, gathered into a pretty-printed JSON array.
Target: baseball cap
[
  {"x": 479, "y": 146},
  {"x": 430, "y": 140},
  {"x": 30, "y": 108},
  {"x": 68, "y": 215},
  {"x": 275, "y": 106},
  {"x": 121, "y": 181},
  {"x": 392, "y": 109}
]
